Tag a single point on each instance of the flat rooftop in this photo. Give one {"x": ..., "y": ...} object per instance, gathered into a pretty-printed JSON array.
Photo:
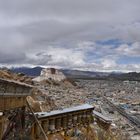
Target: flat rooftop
[{"x": 66, "y": 110}]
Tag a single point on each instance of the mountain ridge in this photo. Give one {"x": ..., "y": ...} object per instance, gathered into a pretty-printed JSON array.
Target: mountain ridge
[{"x": 79, "y": 74}]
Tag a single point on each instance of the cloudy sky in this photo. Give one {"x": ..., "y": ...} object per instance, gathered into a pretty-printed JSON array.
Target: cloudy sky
[{"x": 77, "y": 34}]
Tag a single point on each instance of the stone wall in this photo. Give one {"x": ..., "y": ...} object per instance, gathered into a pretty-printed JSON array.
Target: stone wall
[{"x": 13, "y": 94}]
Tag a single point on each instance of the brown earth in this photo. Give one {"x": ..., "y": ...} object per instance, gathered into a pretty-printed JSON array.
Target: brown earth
[{"x": 7, "y": 74}]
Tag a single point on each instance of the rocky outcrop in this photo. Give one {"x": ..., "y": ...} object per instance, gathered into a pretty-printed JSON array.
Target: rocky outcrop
[
  {"x": 52, "y": 76},
  {"x": 7, "y": 74},
  {"x": 40, "y": 101}
]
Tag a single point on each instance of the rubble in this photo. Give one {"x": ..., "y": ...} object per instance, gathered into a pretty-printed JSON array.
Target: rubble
[
  {"x": 123, "y": 94},
  {"x": 40, "y": 102}
]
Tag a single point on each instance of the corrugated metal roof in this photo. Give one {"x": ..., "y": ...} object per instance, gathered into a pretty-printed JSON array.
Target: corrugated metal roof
[
  {"x": 99, "y": 115},
  {"x": 66, "y": 110}
]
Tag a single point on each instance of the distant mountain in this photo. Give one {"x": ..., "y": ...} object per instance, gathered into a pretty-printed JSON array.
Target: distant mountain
[
  {"x": 28, "y": 71},
  {"x": 125, "y": 76},
  {"x": 69, "y": 73},
  {"x": 82, "y": 74}
]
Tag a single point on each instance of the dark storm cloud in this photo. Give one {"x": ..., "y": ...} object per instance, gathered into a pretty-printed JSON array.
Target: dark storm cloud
[{"x": 15, "y": 58}]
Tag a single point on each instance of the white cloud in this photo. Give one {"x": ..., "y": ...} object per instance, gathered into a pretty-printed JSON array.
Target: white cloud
[
  {"x": 108, "y": 63},
  {"x": 71, "y": 28},
  {"x": 58, "y": 56},
  {"x": 129, "y": 50}
]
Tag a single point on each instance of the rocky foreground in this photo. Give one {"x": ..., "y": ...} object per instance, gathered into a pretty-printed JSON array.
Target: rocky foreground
[
  {"x": 92, "y": 92},
  {"x": 51, "y": 94}
]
